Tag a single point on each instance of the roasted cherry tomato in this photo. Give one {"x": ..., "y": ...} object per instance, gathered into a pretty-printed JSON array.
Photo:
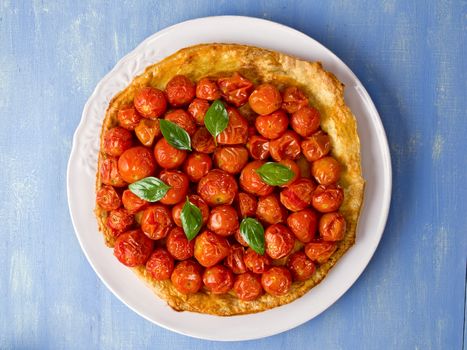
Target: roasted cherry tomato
[
  {"x": 116, "y": 141},
  {"x": 156, "y": 221},
  {"x": 293, "y": 99},
  {"x": 293, "y": 166},
  {"x": 180, "y": 91},
  {"x": 240, "y": 239},
  {"x": 279, "y": 241},
  {"x": 160, "y": 265},
  {"x": 316, "y": 146},
  {"x": 207, "y": 89},
  {"x": 197, "y": 165},
  {"x": 247, "y": 286},
  {"x": 178, "y": 245},
  {"x": 298, "y": 195},
  {"x": 265, "y": 99},
  {"x": 300, "y": 266},
  {"x": 147, "y": 130},
  {"x": 235, "y": 259},
  {"x": 303, "y": 224},
  {"x": 178, "y": 182},
  {"x": 305, "y": 121},
  {"x": 198, "y": 109},
  {"x": 136, "y": 163},
  {"x": 236, "y": 132},
  {"x": 167, "y": 156},
  {"x": 196, "y": 200},
  {"x": 326, "y": 170},
  {"x": 320, "y": 252},
  {"x": 235, "y": 89},
  {"x": 128, "y": 117},
  {"x": 203, "y": 141},
  {"x": 231, "y": 159},
  {"x": 270, "y": 209},
  {"x": 107, "y": 198},
  {"x": 217, "y": 187},
  {"x": 132, "y": 248},
  {"x": 210, "y": 248},
  {"x": 304, "y": 166},
  {"x": 332, "y": 227},
  {"x": 218, "y": 279},
  {"x": 223, "y": 220},
  {"x": 251, "y": 182},
  {"x": 247, "y": 204},
  {"x": 286, "y": 146},
  {"x": 258, "y": 147},
  {"x": 120, "y": 219},
  {"x": 187, "y": 277},
  {"x": 272, "y": 125},
  {"x": 328, "y": 198},
  {"x": 109, "y": 173},
  {"x": 150, "y": 102},
  {"x": 277, "y": 281},
  {"x": 255, "y": 262},
  {"x": 132, "y": 202},
  {"x": 182, "y": 119}
]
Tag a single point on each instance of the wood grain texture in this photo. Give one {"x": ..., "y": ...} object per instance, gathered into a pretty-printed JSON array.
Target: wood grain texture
[{"x": 411, "y": 56}]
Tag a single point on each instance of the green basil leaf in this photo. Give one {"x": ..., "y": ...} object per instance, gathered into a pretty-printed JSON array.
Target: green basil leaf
[
  {"x": 150, "y": 189},
  {"x": 275, "y": 174},
  {"x": 191, "y": 218},
  {"x": 176, "y": 136},
  {"x": 216, "y": 118},
  {"x": 253, "y": 233}
]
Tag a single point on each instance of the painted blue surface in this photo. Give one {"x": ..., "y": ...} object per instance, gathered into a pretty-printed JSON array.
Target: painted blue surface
[{"x": 410, "y": 56}]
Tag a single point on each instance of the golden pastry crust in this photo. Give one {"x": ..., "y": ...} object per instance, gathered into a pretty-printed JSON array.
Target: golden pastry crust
[{"x": 259, "y": 65}]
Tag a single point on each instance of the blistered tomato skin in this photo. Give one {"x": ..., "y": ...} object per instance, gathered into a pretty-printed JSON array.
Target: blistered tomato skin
[
  {"x": 147, "y": 131},
  {"x": 248, "y": 287},
  {"x": 247, "y": 204},
  {"x": 270, "y": 210},
  {"x": 207, "y": 89},
  {"x": 327, "y": 199},
  {"x": 272, "y": 125},
  {"x": 160, "y": 265},
  {"x": 132, "y": 248},
  {"x": 156, "y": 221},
  {"x": 198, "y": 109},
  {"x": 235, "y": 89},
  {"x": 277, "y": 281},
  {"x": 178, "y": 245},
  {"x": 234, "y": 260},
  {"x": 286, "y": 146},
  {"x": 136, "y": 163},
  {"x": 187, "y": 277},
  {"x": 258, "y": 147},
  {"x": 231, "y": 159},
  {"x": 116, "y": 141},
  {"x": 223, "y": 220},
  {"x": 218, "y": 279},
  {"x": 107, "y": 198},
  {"x": 132, "y": 202},
  {"x": 279, "y": 241},
  {"x": 316, "y": 146},
  {"x": 180, "y": 91},
  {"x": 293, "y": 166},
  {"x": 326, "y": 170},
  {"x": 293, "y": 99},
  {"x": 128, "y": 117},
  {"x": 236, "y": 132},
  {"x": 300, "y": 266},
  {"x": 182, "y": 119},
  {"x": 298, "y": 195},
  {"x": 120, "y": 220},
  {"x": 203, "y": 141},
  {"x": 197, "y": 165},
  {"x": 109, "y": 173},
  {"x": 251, "y": 182},
  {"x": 305, "y": 121},
  {"x": 320, "y": 252},
  {"x": 168, "y": 157},
  {"x": 178, "y": 182},
  {"x": 210, "y": 248},
  {"x": 150, "y": 102},
  {"x": 332, "y": 227},
  {"x": 255, "y": 262},
  {"x": 238, "y": 237},
  {"x": 265, "y": 99},
  {"x": 217, "y": 187},
  {"x": 303, "y": 224}
]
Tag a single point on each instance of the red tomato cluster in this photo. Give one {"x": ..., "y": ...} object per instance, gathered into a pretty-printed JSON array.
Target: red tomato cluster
[{"x": 301, "y": 219}]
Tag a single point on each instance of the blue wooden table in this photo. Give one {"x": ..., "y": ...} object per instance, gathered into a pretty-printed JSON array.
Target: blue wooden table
[{"x": 411, "y": 56}]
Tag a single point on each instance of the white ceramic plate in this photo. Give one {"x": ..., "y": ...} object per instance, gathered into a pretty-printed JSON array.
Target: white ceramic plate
[{"x": 82, "y": 168}]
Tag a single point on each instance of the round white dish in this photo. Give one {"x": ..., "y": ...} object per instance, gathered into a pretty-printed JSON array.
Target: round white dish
[{"x": 83, "y": 160}]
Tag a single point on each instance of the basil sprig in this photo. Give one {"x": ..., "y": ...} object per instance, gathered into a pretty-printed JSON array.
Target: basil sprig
[
  {"x": 175, "y": 135},
  {"x": 216, "y": 118},
  {"x": 253, "y": 233},
  {"x": 275, "y": 174},
  {"x": 150, "y": 189},
  {"x": 191, "y": 218}
]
